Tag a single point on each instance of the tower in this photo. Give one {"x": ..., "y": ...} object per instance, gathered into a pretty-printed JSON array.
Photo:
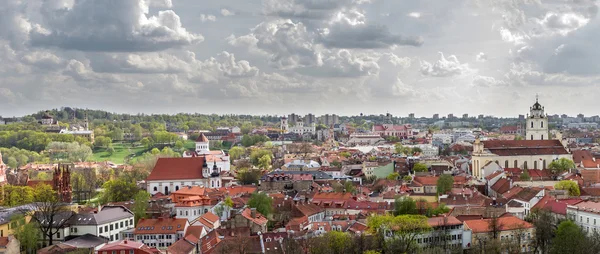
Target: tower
[
  {"x": 537, "y": 122},
  {"x": 202, "y": 144},
  {"x": 284, "y": 124}
]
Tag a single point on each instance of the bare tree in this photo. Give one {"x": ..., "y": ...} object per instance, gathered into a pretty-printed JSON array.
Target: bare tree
[{"x": 49, "y": 213}]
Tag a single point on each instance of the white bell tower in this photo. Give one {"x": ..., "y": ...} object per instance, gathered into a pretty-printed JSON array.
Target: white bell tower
[{"x": 537, "y": 123}]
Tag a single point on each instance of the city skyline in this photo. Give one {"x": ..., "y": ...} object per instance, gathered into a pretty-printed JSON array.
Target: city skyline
[{"x": 279, "y": 56}]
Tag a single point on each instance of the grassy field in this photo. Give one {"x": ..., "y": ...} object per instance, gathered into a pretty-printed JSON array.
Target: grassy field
[{"x": 121, "y": 151}]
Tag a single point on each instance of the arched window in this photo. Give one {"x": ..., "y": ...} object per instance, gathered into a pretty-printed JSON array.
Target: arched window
[
  {"x": 531, "y": 124},
  {"x": 542, "y": 124},
  {"x": 516, "y": 164},
  {"x": 544, "y": 164},
  {"x": 506, "y": 164},
  {"x": 176, "y": 188},
  {"x": 525, "y": 165},
  {"x": 535, "y": 165},
  {"x": 166, "y": 190},
  {"x": 531, "y": 137},
  {"x": 205, "y": 210},
  {"x": 155, "y": 188},
  {"x": 542, "y": 137}
]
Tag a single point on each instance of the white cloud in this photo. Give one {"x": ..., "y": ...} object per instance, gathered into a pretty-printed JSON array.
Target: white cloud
[
  {"x": 444, "y": 67},
  {"x": 207, "y": 18},
  {"x": 226, "y": 12}
]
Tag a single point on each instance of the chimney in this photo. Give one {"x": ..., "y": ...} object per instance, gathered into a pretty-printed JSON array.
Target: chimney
[
  {"x": 262, "y": 243},
  {"x": 125, "y": 241},
  {"x": 253, "y": 212}
]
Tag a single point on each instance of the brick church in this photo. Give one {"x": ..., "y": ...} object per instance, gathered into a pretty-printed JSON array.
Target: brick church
[{"x": 61, "y": 182}]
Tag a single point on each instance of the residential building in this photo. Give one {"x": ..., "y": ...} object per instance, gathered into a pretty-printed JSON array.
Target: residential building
[
  {"x": 9, "y": 244},
  {"x": 427, "y": 150},
  {"x": 447, "y": 231},
  {"x": 364, "y": 139},
  {"x": 371, "y": 169},
  {"x": 108, "y": 222},
  {"x": 329, "y": 120},
  {"x": 523, "y": 200},
  {"x": 161, "y": 232},
  {"x": 249, "y": 218},
  {"x": 309, "y": 119},
  {"x": 391, "y": 130},
  {"x": 508, "y": 228},
  {"x": 291, "y": 180},
  {"x": 172, "y": 174},
  {"x": 586, "y": 214}
]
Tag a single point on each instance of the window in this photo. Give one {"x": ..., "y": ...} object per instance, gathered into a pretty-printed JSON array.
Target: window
[
  {"x": 155, "y": 188},
  {"x": 116, "y": 225},
  {"x": 542, "y": 125},
  {"x": 126, "y": 223},
  {"x": 130, "y": 251},
  {"x": 112, "y": 239},
  {"x": 105, "y": 228},
  {"x": 531, "y": 124},
  {"x": 100, "y": 230},
  {"x": 117, "y": 237},
  {"x": 531, "y": 137},
  {"x": 131, "y": 222},
  {"x": 542, "y": 138},
  {"x": 186, "y": 213},
  {"x": 111, "y": 226},
  {"x": 121, "y": 224},
  {"x": 58, "y": 234}
]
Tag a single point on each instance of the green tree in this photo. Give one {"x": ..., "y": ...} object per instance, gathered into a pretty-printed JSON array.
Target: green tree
[
  {"x": 420, "y": 167},
  {"x": 17, "y": 195},
  {"x": 110, "y": 150},
  {"x": 393, "y": 176},
  {"x": 264, "y": 162},
  {"x": 262, "y": 202},
  {"x": 416, "y": 150},
  {"x": 405, "y": 205},
  {"x": 444, "y": 184},
  {"x": 525, "y": 175},
  {"x": 146, "y": 142},
  {"x": 28, "y": 234},
  {"x": 236, "y": 152},
  {"x": 256, "y": 155},
  {"x": 102, "y": 142},
  {"x": 117, "y": 191},
  {"x": 571, "y": 186},
  {"x": 155, "y": 151},
  {"x": 407, "y": 178},
  {"x": 544, "y": 222},
  {"x": 68, "y": 151},
  {"x": 140, "y": 205},
  {"x": 345, "y": 154},
  {"x": 569, "y": 239},
  {"x": 404, "y": 228},
  {"x": 333, "y": 242},
  {"x": 12, "y": 162},
  {"x": 47, "y": 208},
  {"x": 43, "y": 176},
  {"x": 179, "y": 145},
  {"x": 247, "y": 176},
  {"x": 561, "y": 165}
]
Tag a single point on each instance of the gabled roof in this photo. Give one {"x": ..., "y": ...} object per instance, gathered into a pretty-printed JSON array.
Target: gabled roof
[
  {"x": 177, "y": 169},
  {"x": 105, "y": 215},
  {"x": 202, "y": 138},
  {"x": 504, "y": 223},
  {"x": 443, "y": 221},
  {"x": 558, "y": 206},
  {"x": 182, "y": 246},
  {"x": 427, "y": 180},
  {"x": 257, "y": 219},
  {"x": 501, "y": 186},
  {"x": 524, "y": 147},
  {"x": 125, "y": 245},
  {"x": 526, "y": 194},
  {"x": 309, "y": 209},
  {"x": 160, "y": 226}
]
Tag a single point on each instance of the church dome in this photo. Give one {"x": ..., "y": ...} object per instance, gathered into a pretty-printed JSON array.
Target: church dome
[{"x": 537, "y": 106}]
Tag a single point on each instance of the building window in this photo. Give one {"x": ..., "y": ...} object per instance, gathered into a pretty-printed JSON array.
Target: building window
[
  {"x": 105, "y": 228},
  {"x": 534, "y": 164},
  {"x": 121, "y": 224},
  {"x": 58, "y": 234},
  {"x": 531, "y": 137},
  {"x": 542, "y": 124},
  {"x": 542, "y": 138},
  {"x": 516, "y": 164},
  {"x": 130, "y": 221},
  {"x": 531, "y": 124},
  {"x": 506, "y": 164},
  {"x": 155, "y": 188},
  {"x": 111, "y": 226}
]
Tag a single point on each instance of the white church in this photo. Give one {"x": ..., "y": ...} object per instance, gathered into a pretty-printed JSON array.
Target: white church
[
  {"x": 537, "y": 151},
  {"x": 298, "y": 128},
  {"x": 203, "y": 150}
]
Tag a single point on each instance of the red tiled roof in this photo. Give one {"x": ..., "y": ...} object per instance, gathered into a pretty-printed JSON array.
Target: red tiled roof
[
  {"x": 584, "y": 158},
  {"x": 443, "y": 221},
  {"x": 427, "y": 180},
  {"x": 125, "y": 245},
  {"x": 358, "y": 227},
  {"x": 177, "y": 169},
  {"x": 160, "y": 226},
  {"x": 182, "y": 246},
  {"x": 501, "y": 186},
  {"x": 490, "y": 177},
  {"x": 258, "y": 218},
  {"x": 202, "y": 138},
  {"x": 309, "y": 209},
  {"x": 211, "y": 217},
  {"x": 509, "y": 128},
  {"x": 504, "y": 223},
  {"x": 332, "y": 196},
  {"x": 524, "y": 147},
  {"x": 526, "y": 194},
  {"x": 558, "y": 206}
]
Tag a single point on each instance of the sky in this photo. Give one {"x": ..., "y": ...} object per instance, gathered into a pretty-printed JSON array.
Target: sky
[{"x": 300, "y": 56}]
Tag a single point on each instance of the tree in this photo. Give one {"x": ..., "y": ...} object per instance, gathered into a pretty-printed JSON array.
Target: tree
[
  {"x": 333, "y": 242},
  {"x": 569, "y": 239},
  {"x": 444, "y": 184},
  {"x": 246, "y": 176},
  {"x": 43, "y": 176},
  {"x": 117, "y": 191},
  {"x": 399, "y": 149},
  {"x": 525, "y": 175},
  {"x": 17, "y": 195},
  {"x": 102, "y": 142},
  {"x": 236, "y": 152},
  {"x": 416, "y": 150},
  {"x": 571, "y": 186},
  {"x": 561, "y": 165},
  {"x": 404, "y": 229},
  {"x": 179, "y": 145},
  {"x": 12, "y": 162},
  {"x": 264, "y": 162},
  {"x": 345, "y": 154},
  {"x": 393, "y": 176},
  {"x": 262, "y": 202},
  {"x": 68, "y": 151},
  {"x": 145, "y": 142},
  {"x": 140, "y": 205},
  {"x": 405, "y": 205},
  {"x": 28, "y": 234},
  {"x": 256, "y": 155},
  {"x": 544, "y": 223},
  {"x": 110, "y": 150},
  {"x": 420, "y": 167},
  {"x": 49, "y": 213},
  {"x": 407, "y": 178},
  {"x": 306, "y": 149}
]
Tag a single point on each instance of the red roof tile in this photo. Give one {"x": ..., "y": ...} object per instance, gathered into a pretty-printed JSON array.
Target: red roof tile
[
  {"x": 426, "y": 180},
  {"x": 505, "y": 223},
  {"x": 501, "y": 186},
  {"x": 160, "y": 226},
  {"x": 443, "y": 221},
  {"x": 177, "y": 169},
  {"x": 202, "y": 138},
  {"x": 258, "y": 218},
  {"x": 524, "y": 147}
]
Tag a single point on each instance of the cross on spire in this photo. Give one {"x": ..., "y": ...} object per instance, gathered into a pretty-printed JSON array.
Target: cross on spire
[{"x": 536, "y": 97}]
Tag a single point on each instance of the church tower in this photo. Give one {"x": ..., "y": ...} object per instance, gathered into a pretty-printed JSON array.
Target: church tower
[
  {"x": 537, "y": 123},
  {"x": 202, "y": 144},
  {"x": 284, "y": 124}
]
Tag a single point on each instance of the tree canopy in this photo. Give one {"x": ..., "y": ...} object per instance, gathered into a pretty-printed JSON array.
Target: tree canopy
[
  {"x": 571, "y": 186},
  {"x": 420, "y": 167},
  {"x": 445, "y": 183},
  {"x": 262, "y": 202},
  {"x": 561, "y": 165},
  {"x": 405, "y": 205}
]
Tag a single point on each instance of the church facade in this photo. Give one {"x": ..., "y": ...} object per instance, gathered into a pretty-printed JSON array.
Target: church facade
[
  {"x": 536, "y": 152},
  {"x": 172, "y": 174},
  {"x": 218, "y": 157}
]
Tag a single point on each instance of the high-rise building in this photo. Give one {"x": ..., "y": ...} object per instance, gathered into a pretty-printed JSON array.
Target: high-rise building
[
  {"x": 465, "y": 116},
  {"x": 411, "y": 115},
  {"x": 480, "y": 117},
  {"x": 450, "y": 116},
  {"x": 436, "y": 116},
  {"x": 328, "y": 119},
  {"x": 310, "y": 119},
  {"x": 293, "y": 118},
  {"x": 521, "y": 117}
]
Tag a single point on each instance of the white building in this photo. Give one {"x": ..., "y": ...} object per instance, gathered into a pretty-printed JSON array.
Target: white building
[
  {"x": 364, "y": 139},
  {"x": 585, "y": 214},
  {"x": 298, "y": 128},
  {"x": 172, "y": 174},
  {"x": 442, "y": 138},
  {"x": 428, "y": 150},
  {"x": 582, "y": 125},
  {"x": 160, "y": 233},
  {"x": 108, "y": 222},
  {"x": 203, "y": 149},
  {"x": 537, "y": 123}
]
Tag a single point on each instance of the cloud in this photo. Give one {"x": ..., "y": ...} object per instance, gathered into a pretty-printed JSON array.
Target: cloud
[
  {"x": 352, "y": 30},
  {"x": 444, "y": 67},
  {"x": 305, "y": 9},
  {"x": 100, "y": 25},
  {"x": 226, "y": 12},
  {"x": 207, "y": 18}
]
